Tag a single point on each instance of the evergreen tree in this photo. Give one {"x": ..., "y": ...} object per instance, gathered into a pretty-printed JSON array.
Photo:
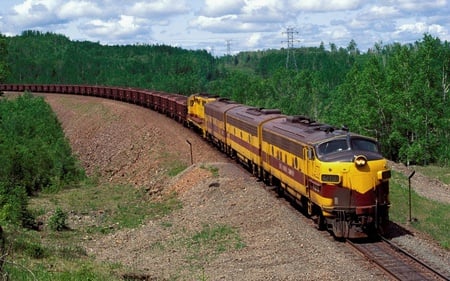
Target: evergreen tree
[{"x": 3, "y": 56}]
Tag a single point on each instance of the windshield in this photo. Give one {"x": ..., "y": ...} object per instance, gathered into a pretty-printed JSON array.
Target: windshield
[
  {"x": 364, "y": 145},
  {"x": 332, "y": 146},
  {"x": 336, "y": 145}
]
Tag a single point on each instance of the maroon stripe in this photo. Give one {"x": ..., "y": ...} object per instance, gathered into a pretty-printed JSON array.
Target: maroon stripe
[
  {"x": 287, "y": 170},
  {"x": 346, "y": 197},
  {"x": 251, "y": 148},
  {"x": 216, "y": 131}
]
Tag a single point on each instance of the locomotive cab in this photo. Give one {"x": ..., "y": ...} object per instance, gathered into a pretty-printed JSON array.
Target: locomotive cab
[
  {"x": 196, "y": 111},
  {"x": 353, "y": 184}
]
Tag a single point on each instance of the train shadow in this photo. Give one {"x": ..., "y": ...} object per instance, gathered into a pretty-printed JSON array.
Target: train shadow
[{"x": 394, "y": 230}]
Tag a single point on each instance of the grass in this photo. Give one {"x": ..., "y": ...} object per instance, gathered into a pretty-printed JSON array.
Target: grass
[
  {"x": 199, "y": 247},
  {"x": 57, "y": 255},
  {"x": 213, "y": 169},
  {"x": 430, "y": 217},
  {"x": 216, "y": 238},
  {"x": 207, "y": 243},
  {"x": 33, "y": 258},
  {"x": 42, "y": 272},
  {"x": 435, "y": 172},
  {"x": 103, "y": 209},
  {"x": 176, "y": 167},
  {"x": 172, "y": 163}
]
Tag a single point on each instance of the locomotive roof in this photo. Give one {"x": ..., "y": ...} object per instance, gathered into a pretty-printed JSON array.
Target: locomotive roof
[
  {"x": 253, "y": 115},
  {"x": 205, "y": 95},
  {"x": 221, "y": 105},
  {"x": 304, "y": 130}
]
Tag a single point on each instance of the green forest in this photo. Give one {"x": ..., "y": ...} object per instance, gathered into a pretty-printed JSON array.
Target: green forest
[
  {"x": 34, "y": 155},
  {"x": 397, "y": 93}
]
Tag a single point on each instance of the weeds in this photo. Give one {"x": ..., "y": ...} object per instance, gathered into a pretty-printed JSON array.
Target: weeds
[
  {"x": 431, "y": 217},
  {"x": 176, "y": 167},
  {"x": 213, "y": 169},
  {"x": 57, "y": 221},
  {"x": 435, "y": 172}
]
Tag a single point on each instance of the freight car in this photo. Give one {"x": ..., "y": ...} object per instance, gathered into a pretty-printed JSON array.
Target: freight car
[
  {"x": 173, "y": 105},
  {"x": 340, "y": 178}
]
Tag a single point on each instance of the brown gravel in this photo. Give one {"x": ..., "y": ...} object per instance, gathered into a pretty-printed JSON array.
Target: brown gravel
[{"x": 123, "y": 143}]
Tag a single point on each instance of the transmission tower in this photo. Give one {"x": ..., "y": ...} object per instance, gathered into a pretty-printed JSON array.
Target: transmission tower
[
  {"x": 229, "y": 47},
  {"x": 290, "y": 31}
]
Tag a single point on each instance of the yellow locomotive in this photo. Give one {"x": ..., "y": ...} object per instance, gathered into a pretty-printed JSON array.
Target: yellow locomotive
[
  {"x": 196, "y": 111},
  {"x": 340, "y": 177}
]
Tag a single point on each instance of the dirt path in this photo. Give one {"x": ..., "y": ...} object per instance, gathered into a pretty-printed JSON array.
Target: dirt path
[
  {"x": 424, "y": 186},
  {"x": 129, "y": 144}
]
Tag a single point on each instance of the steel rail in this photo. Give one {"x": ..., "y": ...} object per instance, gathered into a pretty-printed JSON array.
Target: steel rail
[{"x": 395, "y": 261}]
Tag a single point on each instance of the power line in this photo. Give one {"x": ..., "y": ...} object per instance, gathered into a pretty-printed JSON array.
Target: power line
[{"x": 290, "y": 31}]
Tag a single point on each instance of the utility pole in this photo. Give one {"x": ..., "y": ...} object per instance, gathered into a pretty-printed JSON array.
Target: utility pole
[{"x": 290, "y": 31}]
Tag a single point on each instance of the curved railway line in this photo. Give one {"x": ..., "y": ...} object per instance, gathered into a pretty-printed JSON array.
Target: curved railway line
[
  {"x": 340, "y": 177},
  {"x": 395, "y": 261}
]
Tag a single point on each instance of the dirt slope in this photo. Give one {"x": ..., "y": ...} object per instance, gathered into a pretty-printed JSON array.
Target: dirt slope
[{"x": 129, "y": 144}]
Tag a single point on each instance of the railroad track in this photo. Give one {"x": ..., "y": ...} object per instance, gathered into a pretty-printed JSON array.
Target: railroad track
[{"x": 396, "y": 262}]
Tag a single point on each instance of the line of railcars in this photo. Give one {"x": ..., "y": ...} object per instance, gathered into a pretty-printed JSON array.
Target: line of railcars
[{"x": 340, "y": 178}]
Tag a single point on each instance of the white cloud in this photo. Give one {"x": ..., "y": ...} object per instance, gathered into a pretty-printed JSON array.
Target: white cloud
[
  {"x": 33, "y": 13},
  {"x": 252, "y": 6},
  {"x": 337, "y": 33},
  {"x": 381, "y": 12},
  {"x": 267, "y": 11},
  {"x": 419, "y": 5},
  {"x": 158, "y": 8},
  {"x": 217, "y": 23},
  {"x": 359, "y": 24},
  {"x": 254, "y": 40},
  {"x": 420, "y": 28},
  {"x": 325, "y": 5},
  {"x": 29, "y": 6},
  {"x": 124, "y": 27},
  {"x": 77, "y": 9},
  {"x": 228, "y": 24},
  {"x": 255, "y": 24},
  {"x": 240, "y": 16},
  {"x": 217, "y": 8}
]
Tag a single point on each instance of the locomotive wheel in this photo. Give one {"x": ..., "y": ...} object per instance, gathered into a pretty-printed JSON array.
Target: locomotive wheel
[
  {"x": 321, "y": 222},
  {"x": 280, "y": 190}
]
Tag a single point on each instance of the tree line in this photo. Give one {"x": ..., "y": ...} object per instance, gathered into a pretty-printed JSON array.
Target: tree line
[{"x": 397, "y": 93}]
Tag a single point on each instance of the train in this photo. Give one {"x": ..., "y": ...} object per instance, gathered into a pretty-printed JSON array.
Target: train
[{"x": 339, "y": 178}]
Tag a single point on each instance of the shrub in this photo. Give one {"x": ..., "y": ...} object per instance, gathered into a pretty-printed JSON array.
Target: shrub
[{"x": 57, "y": 221}]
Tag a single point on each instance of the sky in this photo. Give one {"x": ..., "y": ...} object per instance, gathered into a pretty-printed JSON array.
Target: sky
[{"x": 231, "y": 26}]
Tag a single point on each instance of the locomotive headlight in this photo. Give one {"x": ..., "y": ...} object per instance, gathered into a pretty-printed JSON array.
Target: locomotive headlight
[
  {"x": 331, "y": 178},
  {"x": 360, "y": 161}
]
